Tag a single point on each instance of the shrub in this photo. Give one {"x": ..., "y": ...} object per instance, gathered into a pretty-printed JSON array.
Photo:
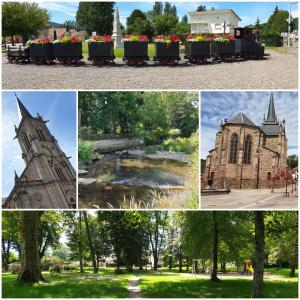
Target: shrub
[
  {"x": 14, "y": 268},
  {"x": 85, "y": 151},
  {"x": 70, "y": 267},
  {"x": 187, "y": 145},
  {"x": 174, "y": 132},
  {"x": 56, "y": 268}
]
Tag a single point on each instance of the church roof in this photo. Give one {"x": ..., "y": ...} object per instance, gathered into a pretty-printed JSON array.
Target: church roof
[
  {"x": 241, "y": 118},
  {"x": 23, "y": 110}
]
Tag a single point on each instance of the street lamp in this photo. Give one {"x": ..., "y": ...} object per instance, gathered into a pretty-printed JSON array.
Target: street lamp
[{"x": 289, "y": 21}]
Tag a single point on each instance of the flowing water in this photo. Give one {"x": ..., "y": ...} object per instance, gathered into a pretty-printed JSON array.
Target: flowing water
[{"x": 134, "y": 182}]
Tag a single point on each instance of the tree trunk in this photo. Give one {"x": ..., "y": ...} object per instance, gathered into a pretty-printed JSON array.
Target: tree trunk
[
  {"x": 170, "y": 262},
  {"x": 80, "y": 243},
  {"x": 155, "y": 261},
  {"x": 180, "y": 263},
  {"x": 258, "y": 278},
  {"x": 30, "y": 260},
  {"x": 187, "y": 263},
  {"x": 214, "y": 272},
  {"x": 88, "y": 233},
  {"x": 223, "y": 267}
]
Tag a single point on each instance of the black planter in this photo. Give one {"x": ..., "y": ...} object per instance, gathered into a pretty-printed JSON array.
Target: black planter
[
  {"x": 222, "y": 48},
  {"x": 197, "y": 49},
  {"x": 136, "y": 49},
  {"x": 42, "y": 51},
  {"x": 17, "y": 54},
  {"x": 101, "y": 50},
  {"x": 68, "y": 51},
  {"x": 167, "y": 50}
]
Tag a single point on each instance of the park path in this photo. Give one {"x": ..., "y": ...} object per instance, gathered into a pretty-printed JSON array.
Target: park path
[{"x": 134, "y": 289}]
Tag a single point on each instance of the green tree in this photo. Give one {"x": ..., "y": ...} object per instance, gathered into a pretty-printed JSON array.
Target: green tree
[
  {"x": 10, "y": 236},
  {"x": 62, "y": 253},
  {"x": 95, "y": 16},
  {"x": 23, "y": 18},
  {"x": 167, "y": 8},
  {"x": 173, "y": 10},
  {"x": 164, "y": 24},
  {"x": 136, "y": 14},
  {"x": 257, "y": 25},
  {"x": 50, "y": 230},
  {"x": 278, "y": 21},
  {"x": 201, "y": 8},
  {"x": 71, "y": 24},
  {"x": 292, "y": 160},
  {"x": 157, "y": 8},
  {"x": 184, "y": 19}
]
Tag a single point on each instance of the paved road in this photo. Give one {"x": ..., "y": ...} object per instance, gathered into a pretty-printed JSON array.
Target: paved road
[
  {"x": 251, "y": 199},
  {"x": 279, "y": 71}
]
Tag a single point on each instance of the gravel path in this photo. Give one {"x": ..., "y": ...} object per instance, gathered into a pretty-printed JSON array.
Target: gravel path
[
  {"x": 134, "y": 289},
  {"x": 279, "y": 71}
]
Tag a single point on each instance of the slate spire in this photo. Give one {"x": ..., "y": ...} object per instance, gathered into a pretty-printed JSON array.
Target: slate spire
[
  {"x": 271, "y": 111},
  {"x": 23, "y": 110}
]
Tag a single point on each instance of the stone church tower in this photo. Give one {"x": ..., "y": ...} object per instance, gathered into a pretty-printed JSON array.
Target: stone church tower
[
  {"x": 49, "y": 180},
  {"x": 247, "y": 155}
]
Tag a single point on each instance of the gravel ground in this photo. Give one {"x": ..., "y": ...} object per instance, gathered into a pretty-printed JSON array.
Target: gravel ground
[{"x": 279, "y": 71}]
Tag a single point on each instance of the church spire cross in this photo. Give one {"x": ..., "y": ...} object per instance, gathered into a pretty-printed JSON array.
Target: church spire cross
[
  {"x": 23, "y": 110},
  {"x": 271, "y": 111}
]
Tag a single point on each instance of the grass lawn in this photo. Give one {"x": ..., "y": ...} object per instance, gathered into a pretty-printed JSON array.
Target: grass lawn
[
  {"x": 118, "y": 52},
  {"x": 68, "y": 285},
  {"x": 176, "y": 286}
]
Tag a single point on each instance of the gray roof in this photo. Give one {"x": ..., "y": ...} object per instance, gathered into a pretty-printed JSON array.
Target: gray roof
[
  {"x": 270, "y": 126},
  {"x": 23, "y": 110},
  {"x": 270, "y": 129},
  {"x": 241, "y": 118}
]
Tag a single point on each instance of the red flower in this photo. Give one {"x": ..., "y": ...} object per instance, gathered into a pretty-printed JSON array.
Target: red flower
[
  {"x": 38, "y": 41},
  {"x": 107, "y": 38},
  {"x": 160, "y": 37},
  {"x": 46, "y": 40},
  {"x": 143, "y": 38},
  {"x": 95, "y": 37},
  {"x": 174, "y": 38}
]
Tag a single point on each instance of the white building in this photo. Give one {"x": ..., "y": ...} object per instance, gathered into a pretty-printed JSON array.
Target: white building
[{"x": 214, "y": 21}]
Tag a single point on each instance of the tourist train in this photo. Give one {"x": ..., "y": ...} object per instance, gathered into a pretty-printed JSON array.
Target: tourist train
[{"x": 198, "y": 49}]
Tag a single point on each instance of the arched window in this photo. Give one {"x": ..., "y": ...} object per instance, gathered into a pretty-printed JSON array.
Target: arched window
[
  {"x": 247, "y": 150},
  {"x": 233, "y": 149},
  {"x": 26, "y": 141}
]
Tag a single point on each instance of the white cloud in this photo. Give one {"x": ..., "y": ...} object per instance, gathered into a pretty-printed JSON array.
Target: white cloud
[{"x": 67, "y": 8}]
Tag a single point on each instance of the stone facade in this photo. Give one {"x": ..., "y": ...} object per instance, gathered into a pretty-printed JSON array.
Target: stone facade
[
  {"x": 49, "y": 180},
  {"x": 246, "y": 155}
]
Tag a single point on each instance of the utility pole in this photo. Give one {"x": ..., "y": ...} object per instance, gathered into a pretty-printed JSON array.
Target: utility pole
[{"x": 289, "y": 21}]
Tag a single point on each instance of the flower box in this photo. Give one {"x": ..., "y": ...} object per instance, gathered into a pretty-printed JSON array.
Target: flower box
[
  {"x": 196, "y": 49},
  {"x": 136, "y": 49},
  {"x": 68, "y": 51},
  {"x": 17, "y": 54},
  {"x": 167, "y": 50},
  {"x": 219, "y": 49},
  {"x": 101, "y": 50},
  {"x": 42, "y": 52}
]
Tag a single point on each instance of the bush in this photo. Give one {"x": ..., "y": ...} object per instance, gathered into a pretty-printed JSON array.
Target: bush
[
  {"x": 14, "y": 268},
  {"x": 56, "y": 269},
  {"x": 187, "y": 145},
  {"x": 271, "y": 39},
  {"x": 85, "y": 151},
  {"x": 70, "y": 267},
  {"x": 174, "y": 132}
]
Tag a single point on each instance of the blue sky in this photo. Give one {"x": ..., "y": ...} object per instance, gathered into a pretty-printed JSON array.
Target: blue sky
[
  {"x": 247, "y": 11},
  {"x": 217, "y": 106},
  {"x": 57, "y": 107}
]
